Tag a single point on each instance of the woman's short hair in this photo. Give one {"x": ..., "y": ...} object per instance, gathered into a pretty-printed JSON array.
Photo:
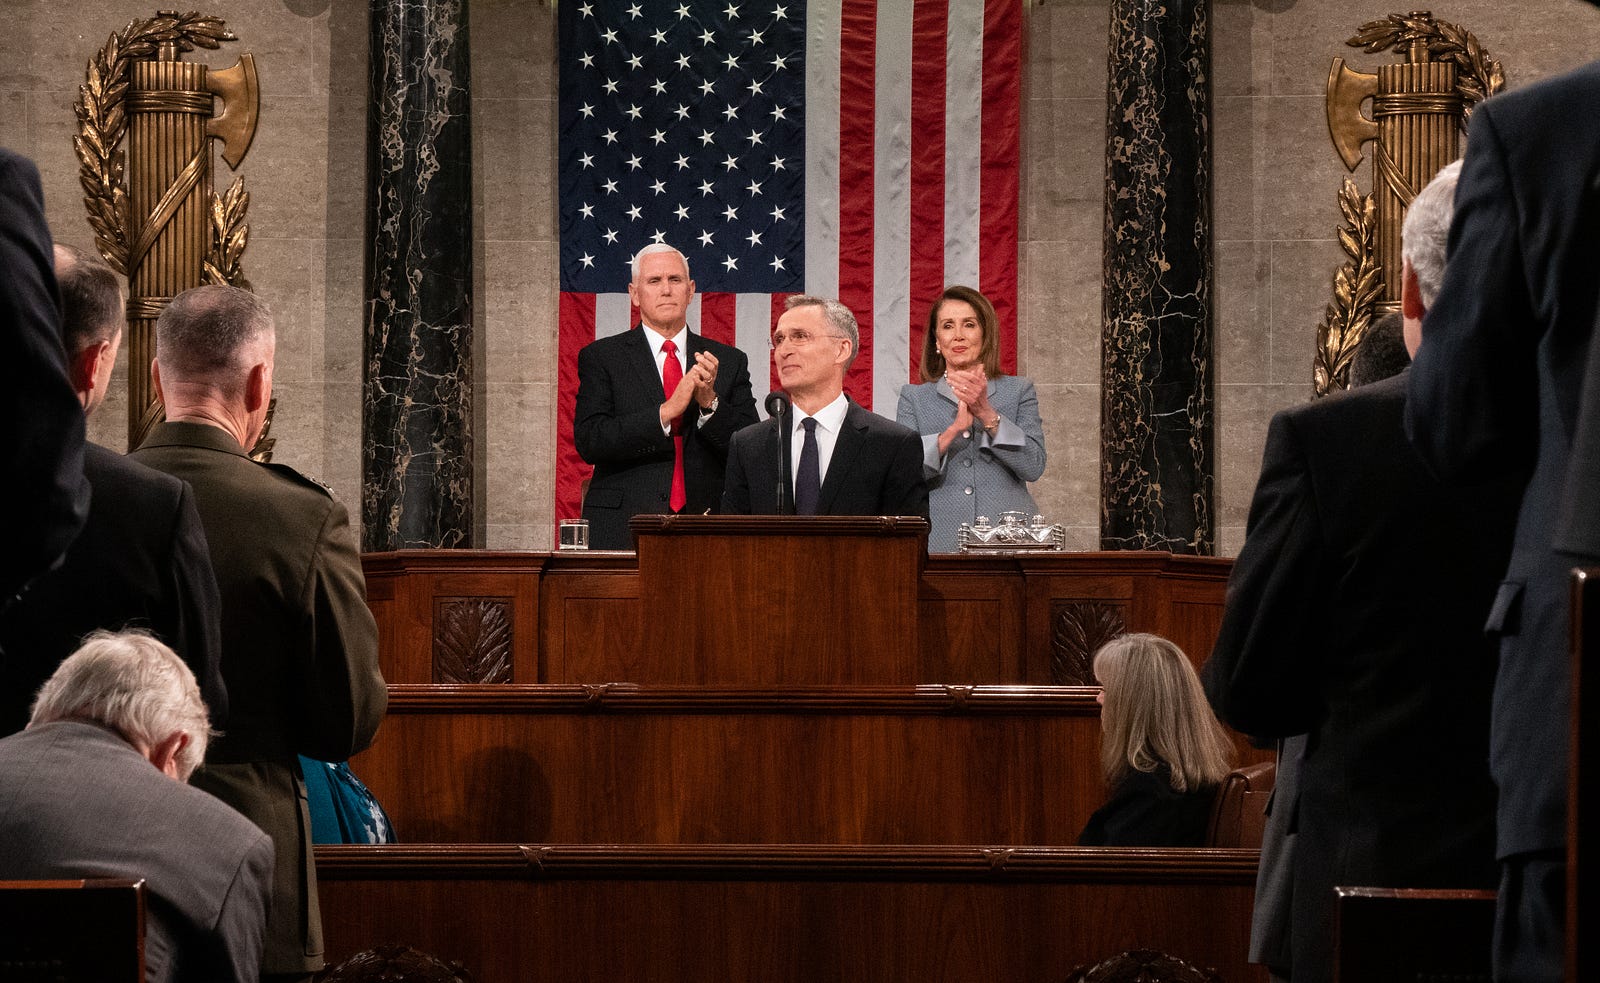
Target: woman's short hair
[
  {"x": 129, "y": 682},
  {"x": 933, "y": 363},
  {"x": 1156, "y": 712}
]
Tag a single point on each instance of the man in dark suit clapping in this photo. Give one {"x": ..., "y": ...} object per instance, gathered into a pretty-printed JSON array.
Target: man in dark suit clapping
[{"x": 656, "y": 407}]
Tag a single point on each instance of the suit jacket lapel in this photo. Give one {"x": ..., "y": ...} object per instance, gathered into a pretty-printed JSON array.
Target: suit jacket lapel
[
  {"x": 842, "y": 463},
  {"x": 644, "y": 365}
]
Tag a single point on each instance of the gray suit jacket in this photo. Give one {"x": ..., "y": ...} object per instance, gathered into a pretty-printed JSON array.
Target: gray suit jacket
[
  {"x": 978, "y": 474},
  {"x": 78, "y": 801}
]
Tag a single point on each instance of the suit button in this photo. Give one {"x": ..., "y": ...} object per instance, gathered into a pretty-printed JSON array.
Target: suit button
[
  {"x": 967, "y": 434},
  {"x": 968, "y": 490},
  {"x": 966, "y": 464}
]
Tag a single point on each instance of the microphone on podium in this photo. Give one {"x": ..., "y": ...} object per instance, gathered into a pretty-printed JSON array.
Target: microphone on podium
[{"x": 777, "y": 406}]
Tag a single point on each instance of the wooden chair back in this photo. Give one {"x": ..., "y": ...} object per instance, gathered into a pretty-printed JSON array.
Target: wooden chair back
[
  {"x": 1239, "y": 816},
  {"x": 72, "y": 931},
  {"x": 1401, "y": 935}
]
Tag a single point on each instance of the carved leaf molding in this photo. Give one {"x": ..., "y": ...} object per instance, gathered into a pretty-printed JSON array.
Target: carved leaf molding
[{"x": 472, "y": 640}]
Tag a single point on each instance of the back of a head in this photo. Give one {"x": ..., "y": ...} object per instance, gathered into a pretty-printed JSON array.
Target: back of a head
[
  {"x": 133, "y": 684},
  {"x": 212, "y": 335},
  {"x": 1382, "y": 352},
  {"x": 1426, "y": 231},
  {"x": 1156, "y": 712},
  {"x": 91, "y": 299}
]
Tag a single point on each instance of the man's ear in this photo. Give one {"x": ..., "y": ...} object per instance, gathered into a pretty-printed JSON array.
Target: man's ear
[
  {"x": 165, "y": 754},
  {"x": 257, "y": 388},
  {"x": 155, "y": 380},
  {"x": 1410, "y": 292},
  {"x": 85, "y": 368}
]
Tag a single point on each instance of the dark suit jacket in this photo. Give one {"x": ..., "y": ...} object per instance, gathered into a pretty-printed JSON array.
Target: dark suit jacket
[
  {"x": 1497, "y": 388},
  {"x": 1354, "y": 616},
  {"x": 1145, "y": 811},
  {"x": 617, "y": 428},
  {"x": 44, "y": 496},
  {"x": 140, "y": 562},
  {"x": 876, "y": 469},
  {"x": 300, "y": 653},
  {"x": 77, "y": 801}
]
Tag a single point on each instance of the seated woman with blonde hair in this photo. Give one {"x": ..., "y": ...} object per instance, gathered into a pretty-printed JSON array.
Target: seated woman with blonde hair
[{"x": 1162, "y": 750}]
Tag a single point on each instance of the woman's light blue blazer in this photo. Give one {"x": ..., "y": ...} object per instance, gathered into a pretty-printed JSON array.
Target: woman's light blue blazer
[{"x": 979, "y": 474}]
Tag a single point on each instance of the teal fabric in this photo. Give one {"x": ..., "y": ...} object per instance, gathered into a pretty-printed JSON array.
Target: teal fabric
[{"x": 343, "y": 810}]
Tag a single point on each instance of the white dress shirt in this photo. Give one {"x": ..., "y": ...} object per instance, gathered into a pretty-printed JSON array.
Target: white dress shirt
[{"x": 830, "y": 419}]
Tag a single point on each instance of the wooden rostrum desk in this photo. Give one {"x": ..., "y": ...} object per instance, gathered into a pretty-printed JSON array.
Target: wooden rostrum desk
[{"x": 768, "y": 748}]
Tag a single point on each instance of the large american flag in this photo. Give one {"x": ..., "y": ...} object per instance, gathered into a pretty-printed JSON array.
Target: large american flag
[{"x": 861, "y": 149}]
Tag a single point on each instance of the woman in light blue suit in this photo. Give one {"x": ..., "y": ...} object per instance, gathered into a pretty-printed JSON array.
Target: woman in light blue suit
[{"x": 982, "y": 440}]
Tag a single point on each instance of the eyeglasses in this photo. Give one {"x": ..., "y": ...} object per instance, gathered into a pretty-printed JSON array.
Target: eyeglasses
[{"x": 800, "y": 338}]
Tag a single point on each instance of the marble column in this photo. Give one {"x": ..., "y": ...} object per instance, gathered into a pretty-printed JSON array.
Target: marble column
[
  {"x": 416, "y": 483},
  {"x": 1157, "y": 412}
]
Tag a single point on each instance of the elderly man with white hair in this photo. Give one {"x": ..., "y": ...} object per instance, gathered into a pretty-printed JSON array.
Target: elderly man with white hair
[{"x": 96, "y": 787}]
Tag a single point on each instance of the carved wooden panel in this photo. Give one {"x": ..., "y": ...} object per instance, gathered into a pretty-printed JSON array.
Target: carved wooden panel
[
  {"x": 1077, "y": 630},
  {"x": 472, "y": 640},
  {"x": 1142, "y": 966}
]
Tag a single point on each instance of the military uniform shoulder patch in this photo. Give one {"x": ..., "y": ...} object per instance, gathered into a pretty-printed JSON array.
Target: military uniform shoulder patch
[{"x": 299, "y": 476}]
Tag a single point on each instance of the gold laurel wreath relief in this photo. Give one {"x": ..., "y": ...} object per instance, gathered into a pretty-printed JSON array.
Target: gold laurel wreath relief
[
  {"x": 1359, "y": 284},
  {"x": 102, "y": 126},
  {"x": 1356, "y": 287},
  {"x": 1477, "y": 75},
  {"x": 102, "y": 164}
]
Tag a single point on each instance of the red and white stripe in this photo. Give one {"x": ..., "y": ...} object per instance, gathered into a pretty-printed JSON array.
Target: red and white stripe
[{"x": 913, "y": 153}]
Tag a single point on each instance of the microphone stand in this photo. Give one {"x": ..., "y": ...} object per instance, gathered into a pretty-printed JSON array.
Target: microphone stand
[{"x": 778, "y": 405}]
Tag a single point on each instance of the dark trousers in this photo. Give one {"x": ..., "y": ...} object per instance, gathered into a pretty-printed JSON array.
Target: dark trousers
[{"x": 1530, "y": 918}]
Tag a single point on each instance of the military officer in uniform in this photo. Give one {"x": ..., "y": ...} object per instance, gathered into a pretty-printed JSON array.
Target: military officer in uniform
[{"x": 300, "y": 647}]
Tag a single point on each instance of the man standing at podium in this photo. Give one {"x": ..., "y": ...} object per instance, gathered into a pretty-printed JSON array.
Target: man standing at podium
[
  {"x": 657, "y": 407},
  {"x": 847, "y": 460}
]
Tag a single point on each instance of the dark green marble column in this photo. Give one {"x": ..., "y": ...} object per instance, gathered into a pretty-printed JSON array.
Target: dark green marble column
[
  {"x": 1157, "y": 409},
  {"x": 416, "y": 482}
]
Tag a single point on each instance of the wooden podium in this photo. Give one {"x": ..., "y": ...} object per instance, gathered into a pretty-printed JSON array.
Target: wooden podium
[{"x": 835, "y": 598}]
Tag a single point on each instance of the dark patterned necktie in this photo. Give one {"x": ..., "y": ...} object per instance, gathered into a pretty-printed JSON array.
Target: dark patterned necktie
[{"x": 808, "y": 480}]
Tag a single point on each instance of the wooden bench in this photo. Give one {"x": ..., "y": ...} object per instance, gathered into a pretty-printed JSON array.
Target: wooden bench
[
  {"x": 72, "y": 931},
  {"x": 788, "y": 913},
  {"x": 632, "y": 764}
]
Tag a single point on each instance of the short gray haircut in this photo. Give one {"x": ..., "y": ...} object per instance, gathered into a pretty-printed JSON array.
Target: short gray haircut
[
  {"x": 658, "y": 247},
  {"x": 205, "y": 334},
  {"x": 1426, "y": 232},
  {"x": 132, "y": 683},
  {"x": 838, "y": 315}
]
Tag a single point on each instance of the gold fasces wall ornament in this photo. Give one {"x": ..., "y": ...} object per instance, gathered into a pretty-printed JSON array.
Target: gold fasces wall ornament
[
  {"x": 1419, "y": 107},
  {"x": 155, "y": 215}
]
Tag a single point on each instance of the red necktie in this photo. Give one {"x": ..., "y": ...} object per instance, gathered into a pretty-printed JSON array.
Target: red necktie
[{"x": 671, "y": 375}]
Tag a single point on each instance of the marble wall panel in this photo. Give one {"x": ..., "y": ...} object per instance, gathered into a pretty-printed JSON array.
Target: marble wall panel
[
  {"x": 1063, "y": 149},
  {"x": 1241, "y": 55},
  {"x": 1066, "y": 53},
  {"x": 1243, "y": 313},
  {"x": 1302, "y": 286},
  {"x": 1069, "y": 490}
]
